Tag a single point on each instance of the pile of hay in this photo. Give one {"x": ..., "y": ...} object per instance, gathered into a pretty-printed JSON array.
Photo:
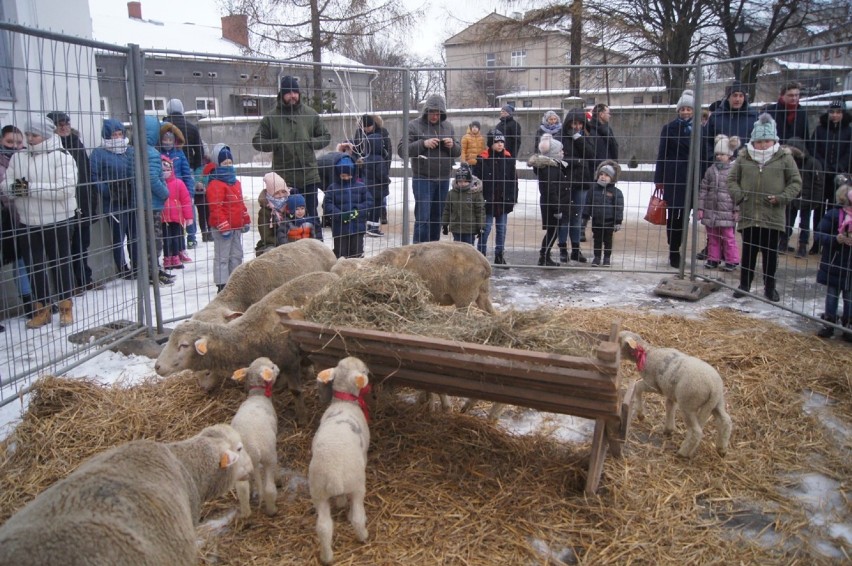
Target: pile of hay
[
  {"x": 396, "y": 300},
  {"x": 454, "y": 489}
]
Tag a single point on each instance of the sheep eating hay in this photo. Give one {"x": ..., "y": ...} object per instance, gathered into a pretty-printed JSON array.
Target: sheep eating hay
[
  {"x": 136, "y": 504},
  {"x": 687, "y": 383},
  {"x": 338, "y": 465},
  {"x": 257, "y": 423}
]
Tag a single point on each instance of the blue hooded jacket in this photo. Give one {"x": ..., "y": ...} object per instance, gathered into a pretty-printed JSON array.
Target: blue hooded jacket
[
  {"x": 114, "y": 173},
  {"x": 343, "y": 198},
  {"x": 159, "y": 191}
]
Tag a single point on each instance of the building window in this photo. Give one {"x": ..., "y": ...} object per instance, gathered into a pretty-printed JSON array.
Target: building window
[
  {"x": 100, "y": 70},
  {"x": 206, "y": 105},
  {"x": 159, "y": 73},
  {"x": 528, "y": 103},
  {"x": 638, "y": 99},
  {"x": 244, "y": 76},
  {"x": 212, "y": 74},
  {"x": 155, "y": 105},
  {"x": 197, "y": 74},
  {"x": 656, "y": 99},
  {"x": 104, "y": 105},
  {"x": 519, "y": 58},
  {"x": 490, "y": 60},
  {"x": 590, "y": 101},
  {"x": 251, "y": 107}
]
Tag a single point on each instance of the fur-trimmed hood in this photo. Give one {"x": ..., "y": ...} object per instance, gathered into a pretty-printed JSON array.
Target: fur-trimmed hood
[{"x": 615, "y": 166}]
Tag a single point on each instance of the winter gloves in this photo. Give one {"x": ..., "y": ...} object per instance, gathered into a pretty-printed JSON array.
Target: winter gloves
[{"x": 21, "y": 187}]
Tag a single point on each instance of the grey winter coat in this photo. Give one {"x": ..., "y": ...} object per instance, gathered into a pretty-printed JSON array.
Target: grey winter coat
[
  {"x": 714, "y": 199},
  {"x": 434, "y": 164},
  {"x": 750, "y": 185}
]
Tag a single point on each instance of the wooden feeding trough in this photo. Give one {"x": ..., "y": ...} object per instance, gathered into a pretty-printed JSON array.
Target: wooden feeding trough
[{"x": 583, "y": 387}]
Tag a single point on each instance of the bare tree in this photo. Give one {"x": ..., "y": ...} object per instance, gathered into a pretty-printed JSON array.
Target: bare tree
[
  {"x": 306, "y": 27},
  {"x": 427, "y": 77},
  {"x": 372, "y": 52}
]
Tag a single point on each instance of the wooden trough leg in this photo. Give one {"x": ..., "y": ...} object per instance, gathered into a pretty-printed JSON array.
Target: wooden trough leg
[{"x": 596, "y": 458}]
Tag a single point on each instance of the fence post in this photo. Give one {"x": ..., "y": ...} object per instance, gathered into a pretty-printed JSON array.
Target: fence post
[
  {"x": 403, "y": 144},
  {"x": 144, "y": 221},
  {"x": 693, "y": 174}
]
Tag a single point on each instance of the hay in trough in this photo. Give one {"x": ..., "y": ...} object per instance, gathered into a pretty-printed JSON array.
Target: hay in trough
[
  {"x": 396, "y": 300},
  {"x": 454, "y": 489}
]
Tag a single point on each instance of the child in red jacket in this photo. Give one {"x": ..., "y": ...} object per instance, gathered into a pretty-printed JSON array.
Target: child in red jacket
[
  {"x": 228, "y": 216},
  {"x": 177, "y": 214}
]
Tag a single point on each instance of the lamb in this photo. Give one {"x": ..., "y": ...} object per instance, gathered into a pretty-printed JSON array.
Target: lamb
[
  {"x": 257, "y": 423},
  {"x": 686, "y": 382},
  {"x": 339, "y": 452},
  {"x": 253, "y": 280},
  {"x": 456, "y": 273},
  {"x": 215, "y": 351},
  {"x": 136, "y": 504}
]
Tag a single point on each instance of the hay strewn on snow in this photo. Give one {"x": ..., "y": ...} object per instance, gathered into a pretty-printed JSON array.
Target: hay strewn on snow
[{"x": 453, "y": 489}]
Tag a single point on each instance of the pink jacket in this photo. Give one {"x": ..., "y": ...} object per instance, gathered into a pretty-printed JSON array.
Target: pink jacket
[{"x": 178, "y": 207}]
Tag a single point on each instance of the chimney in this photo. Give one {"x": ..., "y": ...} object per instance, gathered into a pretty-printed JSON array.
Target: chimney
[
  {"x": 235, "y": 28},
  {"x": 134, "y": 10}
]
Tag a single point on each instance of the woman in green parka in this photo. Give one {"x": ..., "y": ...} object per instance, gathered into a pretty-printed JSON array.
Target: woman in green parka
[{"x": 763, "y": 181}]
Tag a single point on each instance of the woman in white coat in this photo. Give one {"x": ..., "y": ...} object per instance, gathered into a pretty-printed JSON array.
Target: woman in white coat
[{"x": 42, "y": 180}]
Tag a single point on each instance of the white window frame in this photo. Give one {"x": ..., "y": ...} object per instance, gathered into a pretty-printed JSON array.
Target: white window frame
[
  {"x": 157, "y": 104},
  {"x": 104, "y": 106},
  {"x": 206, "y": 103},
  {"x": 518, "y": 58}
]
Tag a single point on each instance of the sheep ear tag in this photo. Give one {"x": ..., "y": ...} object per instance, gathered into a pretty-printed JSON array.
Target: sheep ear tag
[
  {"x": 361, "y": 381},
  {"x": 267, "y": 374},
  {"x": 201, "y": 346},
  {"x": 240, "y": 374},
  {"x": 631, "y": 342},
  {"x": 325, "y": 376},
  {"x": 228, "y": 459}
]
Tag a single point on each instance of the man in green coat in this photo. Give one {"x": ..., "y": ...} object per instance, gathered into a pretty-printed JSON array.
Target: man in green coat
[{"x": 293, "y": 132}]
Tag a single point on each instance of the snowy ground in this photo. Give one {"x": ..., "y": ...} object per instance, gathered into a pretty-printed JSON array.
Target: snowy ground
[{"x": 629, "y": 284}]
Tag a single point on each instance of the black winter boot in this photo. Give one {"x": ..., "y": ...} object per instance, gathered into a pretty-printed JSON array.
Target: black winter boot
[
  {"x": 802, "y": 251},
  {"x": 847, "y": 334},
  {"x": 545, "y": 260},
  {"x": 499, "y": 259},
  {"x": 815, "y": 249},
  {"x": 577, "y": 255},
  {"x": 827, "y": 331},
  {"x": 563, "y": 253}
]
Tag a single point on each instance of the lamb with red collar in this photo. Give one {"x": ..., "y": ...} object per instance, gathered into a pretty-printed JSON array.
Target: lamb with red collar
[
  {"x": 338, "y": 465},
  {"x": 257, "y": 423},
  {"x": 687, "y": 383}
]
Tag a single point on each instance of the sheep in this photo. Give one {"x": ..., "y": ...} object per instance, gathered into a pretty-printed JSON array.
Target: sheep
[
  {"x": 257, "y": 423},
  {"x": 339, "y": 452},
  {"x": 687, "y": 383},
  {"x": 455, "y": 273},
  {"x": 253, "y": 280},
  {"x": 215, "y": 351},
  {"x": 136, "y": 504}
]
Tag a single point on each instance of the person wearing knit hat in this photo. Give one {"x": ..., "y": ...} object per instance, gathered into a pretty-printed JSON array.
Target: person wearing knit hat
[
  {"x": 346, "y": 203},
  {"x": 670, "y": 174},
  {"x": 274, "y": 197},
  {"x": 464, "y": 209},
  {"x": 832, "y": 146},
  {"x": 687, "y": 99},
  {"x": 835, "y": 266},
  {"x": 293, "y": 132},
  {"x": 295, "y": 225},
  {"x": 551, "y": 124},
  {"x": 606, "y": 207},
  {"x": 373, "y": 156},
  {"x": 550, "y": 147},
  {"x": 496, "y": 168},
  {"x": 114, "y": 175},
  {"x": 763, "y": 181},
  {"x": 510, "y": 128},
  {"x": 555, "y": 198},
  {"x": 717, "y": 210},
  {"x": 472, "y": 143},
  {"x": 229, "y": 217},
  {"x": 46, "y": 214},
  {"x": 275, "y": 185},
  {"x": 194, "y": 150}
]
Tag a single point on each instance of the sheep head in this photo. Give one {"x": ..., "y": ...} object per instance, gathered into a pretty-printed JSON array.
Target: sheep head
[
  {"x": 229, "y": 446},
  {"x": 261, "y": 374},
  {"x": 349, "y": 376}
]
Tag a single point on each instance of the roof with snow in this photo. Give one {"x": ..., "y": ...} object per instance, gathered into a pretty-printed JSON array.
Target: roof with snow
[{"x": 797, "y": 66}]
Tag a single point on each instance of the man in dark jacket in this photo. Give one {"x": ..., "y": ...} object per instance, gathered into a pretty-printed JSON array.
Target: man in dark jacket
[
  {"x": 87, "y": 203},
  {"x": 432, "y": 148},
  {"x": 579, "y": 156},
  {"x": 733, "y": 117},
  {"x": 511, "y": 129},
  {"x": 832, "y": 146},
  {"x": 293, "y": 132},
  {"x": 812, "y": 192},
  {"x": 194, "y": 150},
  {"x": 603, "y": 138}
]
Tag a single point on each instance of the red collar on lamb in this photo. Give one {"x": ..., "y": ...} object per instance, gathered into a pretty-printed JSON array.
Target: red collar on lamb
[
  {"x": 639, "y": 355},
  {"x": 360, "y": 399},
  {"x": 267, "y": 389}
]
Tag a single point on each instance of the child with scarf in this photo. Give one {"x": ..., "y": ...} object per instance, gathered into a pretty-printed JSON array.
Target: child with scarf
[
  {"x": 295, "y": 224},
  {"x": 228, "y": 216},
  {"x": 606, "y": 210},
  {"x": 464, "y": 211},
  {"x": 834, "y": 234},
  {"x": 346, "y": 202},
  {"x": 177, "y": 214}
]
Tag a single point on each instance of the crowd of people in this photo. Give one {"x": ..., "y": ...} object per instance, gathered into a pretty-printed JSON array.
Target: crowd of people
[{"x": 761, "y": 171}]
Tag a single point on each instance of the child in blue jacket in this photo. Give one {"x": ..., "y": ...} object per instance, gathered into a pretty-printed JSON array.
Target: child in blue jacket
[{"x": 347, "y": 202}]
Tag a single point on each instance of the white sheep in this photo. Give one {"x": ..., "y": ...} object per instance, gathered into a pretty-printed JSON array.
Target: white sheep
[
  {"x": 253, "y": 280},
  {"x": 214, "y": 351},
  {"x": 339, "y": 452},
  {"x": 257, "y": 423},
  {"x": 687, "y": 383},
  {"x": 137, "y": 504},
  {"x": 455, "y": 273}
]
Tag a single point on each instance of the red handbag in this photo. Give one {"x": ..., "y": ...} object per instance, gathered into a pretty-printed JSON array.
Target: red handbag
[{"x": 656, "y": 213}]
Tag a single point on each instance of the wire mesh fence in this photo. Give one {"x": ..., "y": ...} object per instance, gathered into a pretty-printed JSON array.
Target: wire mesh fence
[{"x": 380, "y": 119}]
